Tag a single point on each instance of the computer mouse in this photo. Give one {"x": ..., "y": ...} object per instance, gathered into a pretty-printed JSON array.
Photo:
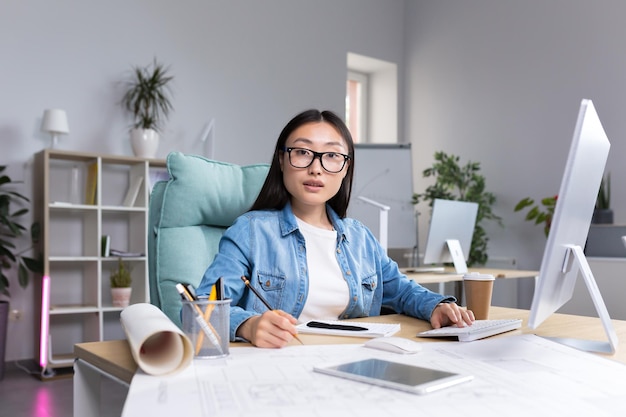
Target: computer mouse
[{"x": 394, "y": 344}]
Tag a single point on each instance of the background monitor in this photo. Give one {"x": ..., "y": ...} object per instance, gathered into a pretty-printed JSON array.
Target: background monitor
[
  {"x": 451, "y": 221},
  {"x": 563, "y": 257}
]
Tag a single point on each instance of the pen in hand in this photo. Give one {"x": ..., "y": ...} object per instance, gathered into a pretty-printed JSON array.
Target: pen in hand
[{"x": 265, "y": 303}]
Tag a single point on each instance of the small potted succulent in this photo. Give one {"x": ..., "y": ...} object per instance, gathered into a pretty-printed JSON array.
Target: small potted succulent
[{"x": 121, "y": 281}]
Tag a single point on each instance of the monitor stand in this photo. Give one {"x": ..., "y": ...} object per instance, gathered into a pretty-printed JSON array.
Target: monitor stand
[
  {"x": 575, "y": 257},
  {"x": 456, "y": 252}
]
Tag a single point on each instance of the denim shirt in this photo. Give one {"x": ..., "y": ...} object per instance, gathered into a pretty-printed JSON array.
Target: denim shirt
[{"x": 267, "y": 247}]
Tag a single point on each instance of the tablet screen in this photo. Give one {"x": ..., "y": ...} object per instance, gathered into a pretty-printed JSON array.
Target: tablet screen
[{"x": 395, "y": 375}]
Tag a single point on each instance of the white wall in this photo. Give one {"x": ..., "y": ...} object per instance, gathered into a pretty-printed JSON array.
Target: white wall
[
  {"x": 500, "y": 83},
  {"x": 249, "y": 64}
]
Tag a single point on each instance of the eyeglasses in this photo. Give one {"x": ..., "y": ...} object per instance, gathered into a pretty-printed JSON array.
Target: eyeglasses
[{"x": 303, "y": 158}]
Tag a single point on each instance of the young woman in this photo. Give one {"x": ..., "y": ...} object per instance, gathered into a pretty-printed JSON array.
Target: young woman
[{"x": 303, "y": 255}]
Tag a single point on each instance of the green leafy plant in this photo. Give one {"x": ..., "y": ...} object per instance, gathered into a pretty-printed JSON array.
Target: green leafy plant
[
  {"x": 463, "y": 183},
  {"x": 148, "y": 96},
  {"x": 540, "y": 213},
  {"x": 603, "y": 202},
  {"x": 10, "y": 230},
  {"x": 121, "y": 277},
  {"x": 543, "y": 212}
]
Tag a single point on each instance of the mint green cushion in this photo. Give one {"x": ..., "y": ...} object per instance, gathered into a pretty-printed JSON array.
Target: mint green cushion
[{"x": 188, "y": 215}]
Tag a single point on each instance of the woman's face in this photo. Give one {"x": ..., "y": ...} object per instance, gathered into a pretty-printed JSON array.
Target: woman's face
[{"x": 313, "y": 186}]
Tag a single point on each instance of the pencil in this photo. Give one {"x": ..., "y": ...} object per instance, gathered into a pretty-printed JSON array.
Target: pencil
[
  {"x": 206, "y": 327},
  {"x": 260, "y": 297},
  {"x": 207, "y": 316}
]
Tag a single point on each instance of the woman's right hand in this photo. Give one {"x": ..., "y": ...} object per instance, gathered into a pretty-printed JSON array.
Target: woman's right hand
[{"x": 272, "y": 329}]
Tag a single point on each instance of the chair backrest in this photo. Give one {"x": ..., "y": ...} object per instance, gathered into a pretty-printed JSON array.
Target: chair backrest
[{"x": 188, "y": 215}]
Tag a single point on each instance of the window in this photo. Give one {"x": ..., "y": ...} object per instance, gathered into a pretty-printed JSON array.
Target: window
[
  {"x": 372, "y": 99},
  {"x": 356, "y": 105}
]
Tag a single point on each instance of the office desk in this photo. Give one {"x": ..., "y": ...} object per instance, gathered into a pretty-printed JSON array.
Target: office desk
[{"x": 114, "y": 358}]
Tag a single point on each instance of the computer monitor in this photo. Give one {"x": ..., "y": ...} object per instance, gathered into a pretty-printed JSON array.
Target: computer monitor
[
  {"x": 563, "y": 256},
  {"x": 450, "y": 233}
]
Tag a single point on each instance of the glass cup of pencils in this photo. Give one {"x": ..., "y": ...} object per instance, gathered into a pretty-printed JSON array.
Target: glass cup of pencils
[{"x": 207, "y": 324}]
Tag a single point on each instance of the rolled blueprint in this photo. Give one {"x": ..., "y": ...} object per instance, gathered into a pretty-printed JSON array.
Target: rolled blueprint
[{"x": 158, "y": 346}]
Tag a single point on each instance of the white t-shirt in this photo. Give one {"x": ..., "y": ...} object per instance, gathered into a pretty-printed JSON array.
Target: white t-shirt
[{"x": 328, "y": 291}]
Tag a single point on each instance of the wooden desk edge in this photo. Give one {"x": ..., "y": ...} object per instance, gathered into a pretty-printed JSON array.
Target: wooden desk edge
[
  {"x": 111, "y": 356},
  {"x": 115, "y": 358}
]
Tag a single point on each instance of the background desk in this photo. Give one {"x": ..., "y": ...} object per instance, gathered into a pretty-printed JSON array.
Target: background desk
[{"x": 449, "y": 275}]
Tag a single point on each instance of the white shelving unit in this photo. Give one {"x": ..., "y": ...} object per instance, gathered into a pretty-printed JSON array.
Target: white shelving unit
[{"x": 76, "y": 298}]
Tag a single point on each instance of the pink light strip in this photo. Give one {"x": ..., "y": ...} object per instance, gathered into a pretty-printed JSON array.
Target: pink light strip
[{"x": 45, "y": 321}]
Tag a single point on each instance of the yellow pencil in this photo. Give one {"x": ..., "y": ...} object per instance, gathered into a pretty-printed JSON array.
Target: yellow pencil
[
  {"x": 207, "y": 317},
  {"x": 206, "y": 327}
]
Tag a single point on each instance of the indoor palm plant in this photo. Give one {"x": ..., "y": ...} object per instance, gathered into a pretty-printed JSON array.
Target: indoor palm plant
[
  {"x": 121, "y": 281},
  {"x": 147, "y": 99},
  {"x": 463, "y": 183}
]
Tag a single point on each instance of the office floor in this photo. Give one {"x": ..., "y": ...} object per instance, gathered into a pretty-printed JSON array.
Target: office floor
[{"x": 25, "y": 395}]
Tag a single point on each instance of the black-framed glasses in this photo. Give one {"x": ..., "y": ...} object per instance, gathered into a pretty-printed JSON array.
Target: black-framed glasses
[{"x": 303, "y": 158}]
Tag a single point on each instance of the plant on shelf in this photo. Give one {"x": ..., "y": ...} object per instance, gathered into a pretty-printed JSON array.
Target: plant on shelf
[
  {"x": 121, "y": 281},
  {"x": 540, "y": 213},
  {"x": 147, "y": 99},
  {"x": 121, "y": 277},
  {"x": 463, "y": 183},
  {"x": 12, "y": 229}
]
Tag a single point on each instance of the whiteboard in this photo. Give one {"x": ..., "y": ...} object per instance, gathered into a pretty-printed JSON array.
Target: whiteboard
[{"x": 384, "y": 173}]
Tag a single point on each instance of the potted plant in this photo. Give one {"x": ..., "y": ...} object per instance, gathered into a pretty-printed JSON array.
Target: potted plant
[
  {"x": 543, "y": 212},
  {"x": 12, "y": 258},
  {"x": 121, "y": 281},
  {"x": 463, "y": 183},
  {"x": 539, "y": 213},
  {"x": 147, "y": 99},
  {"x": 602, "y": 213}
]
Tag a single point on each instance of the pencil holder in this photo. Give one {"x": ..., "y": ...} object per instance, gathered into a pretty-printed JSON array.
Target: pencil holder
[{"x": 207, "y": 324}]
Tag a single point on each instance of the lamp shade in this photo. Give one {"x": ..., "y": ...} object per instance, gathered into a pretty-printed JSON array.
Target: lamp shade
[{"x": 55, "y": 121}]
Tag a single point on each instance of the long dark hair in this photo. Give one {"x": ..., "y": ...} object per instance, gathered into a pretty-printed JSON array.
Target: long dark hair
[{"x": 274, "y": 195}]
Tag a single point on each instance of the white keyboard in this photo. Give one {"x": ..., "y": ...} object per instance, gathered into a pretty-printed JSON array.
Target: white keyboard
[{"x": 478, "y": 330}]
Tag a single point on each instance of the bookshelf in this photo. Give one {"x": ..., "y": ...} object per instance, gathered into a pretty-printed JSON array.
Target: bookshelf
[{"x": 113, "y": 194}]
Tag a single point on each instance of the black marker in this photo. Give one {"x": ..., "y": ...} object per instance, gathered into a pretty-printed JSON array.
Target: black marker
[{"x": 322, "y": 325}]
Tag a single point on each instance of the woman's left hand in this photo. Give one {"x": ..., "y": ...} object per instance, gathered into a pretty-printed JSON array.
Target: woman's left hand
[{"x": 447, "y": 314}]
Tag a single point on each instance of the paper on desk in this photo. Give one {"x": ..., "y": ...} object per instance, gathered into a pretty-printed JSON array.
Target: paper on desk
[
  {"x": 158, "y": 346},
  {"x": 516, "y": 376}
]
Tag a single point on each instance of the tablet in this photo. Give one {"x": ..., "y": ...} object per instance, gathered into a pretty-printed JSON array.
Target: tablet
[{"x": 404, "y": 377}]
